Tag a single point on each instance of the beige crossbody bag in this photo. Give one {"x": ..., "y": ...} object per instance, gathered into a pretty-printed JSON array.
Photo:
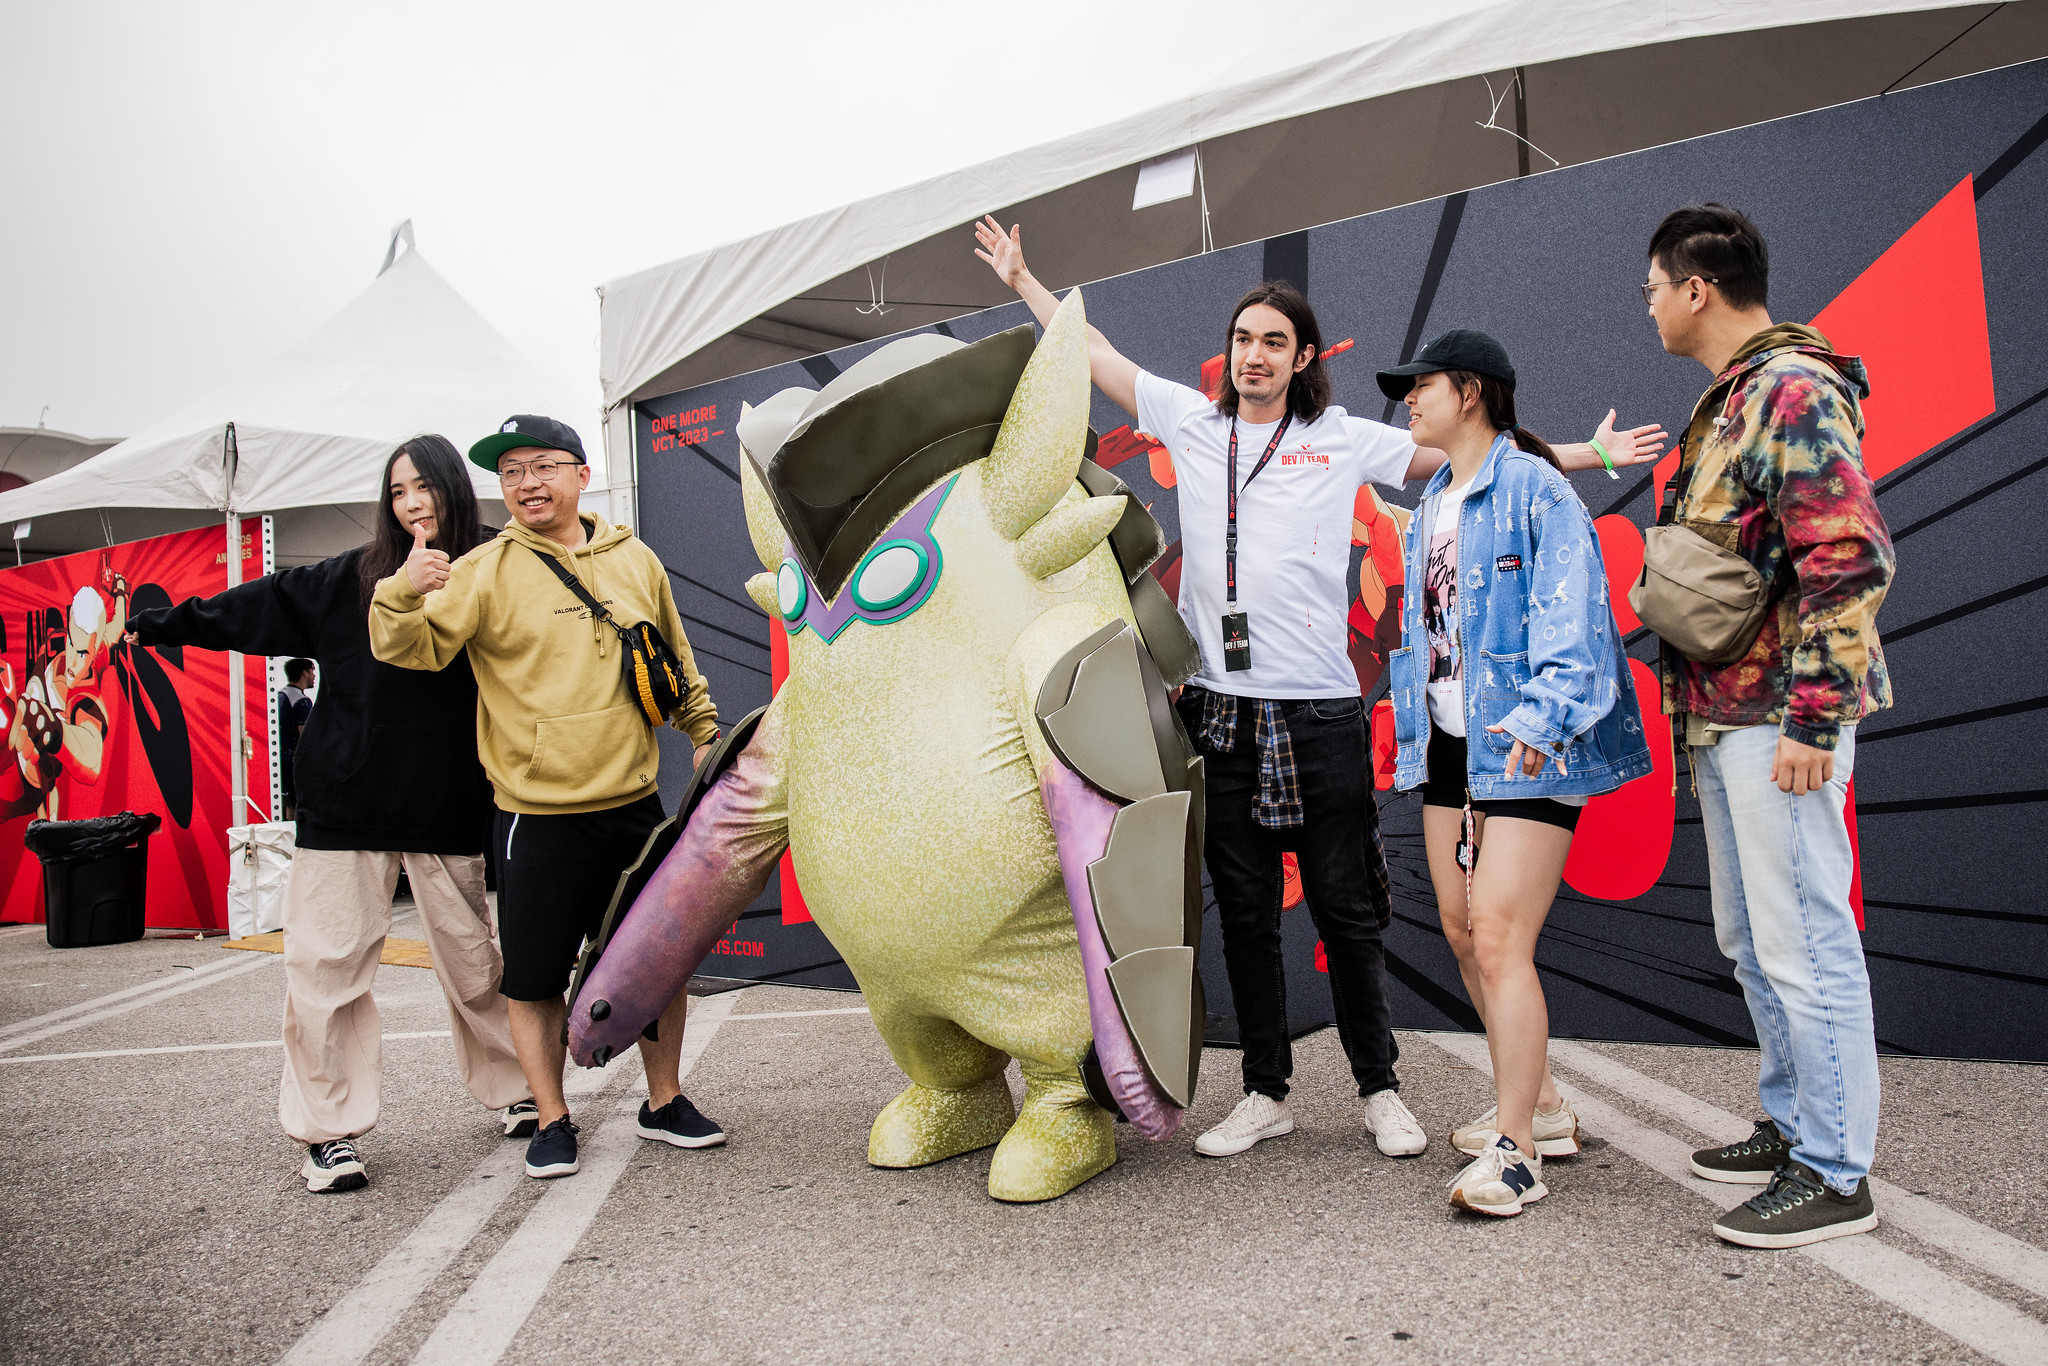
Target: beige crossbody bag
[{"x": 1705, "y": 602}]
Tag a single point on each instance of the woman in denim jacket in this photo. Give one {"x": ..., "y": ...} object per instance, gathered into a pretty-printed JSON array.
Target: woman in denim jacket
[{"x": 1508, "y": 639}]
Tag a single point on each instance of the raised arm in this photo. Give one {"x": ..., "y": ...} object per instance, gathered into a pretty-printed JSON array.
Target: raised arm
[{"x": 1113, "y": 372}]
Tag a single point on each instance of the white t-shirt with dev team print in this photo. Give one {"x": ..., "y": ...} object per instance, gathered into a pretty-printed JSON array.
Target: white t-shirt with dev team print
[{"x": 1293, "y": 534}]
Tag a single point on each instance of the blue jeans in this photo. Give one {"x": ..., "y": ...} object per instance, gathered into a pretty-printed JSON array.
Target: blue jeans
[{"x": 1781, "y": 867}]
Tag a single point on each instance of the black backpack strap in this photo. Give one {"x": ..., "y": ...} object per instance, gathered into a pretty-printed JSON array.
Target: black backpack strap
[{"x": 575, "y": 585}]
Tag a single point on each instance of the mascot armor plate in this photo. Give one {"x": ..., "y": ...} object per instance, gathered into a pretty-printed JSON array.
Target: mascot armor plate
[{"x": 992, "y": 808}]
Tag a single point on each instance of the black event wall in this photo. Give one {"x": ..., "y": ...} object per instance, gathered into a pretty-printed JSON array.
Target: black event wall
[{"x": 1950, "y": 783}]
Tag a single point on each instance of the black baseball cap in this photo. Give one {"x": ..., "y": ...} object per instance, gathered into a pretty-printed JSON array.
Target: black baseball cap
[
  {"x": 1459, "y": 349},
  {"x": 526, "y": 430}
]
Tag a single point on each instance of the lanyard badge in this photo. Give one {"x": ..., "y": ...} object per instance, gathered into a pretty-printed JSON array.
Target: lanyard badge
[{"x": 1237, "y": 626}]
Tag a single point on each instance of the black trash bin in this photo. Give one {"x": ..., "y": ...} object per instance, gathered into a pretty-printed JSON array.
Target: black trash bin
[{"x": 95, "y": 877}]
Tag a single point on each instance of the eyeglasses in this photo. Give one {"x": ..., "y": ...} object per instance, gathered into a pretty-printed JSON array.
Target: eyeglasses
[
  {"x": 1646, "y": 288},
  {"x": 544, "y": 470}
]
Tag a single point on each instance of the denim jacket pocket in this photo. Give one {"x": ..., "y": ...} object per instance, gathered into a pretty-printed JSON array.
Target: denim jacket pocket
[
  {"x": 1406, "y": 692},
  {"x": 1500, "y": 691}
]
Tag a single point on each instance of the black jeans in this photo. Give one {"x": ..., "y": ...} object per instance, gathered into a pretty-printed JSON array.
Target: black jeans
[{"x": 1343, "y": 876}]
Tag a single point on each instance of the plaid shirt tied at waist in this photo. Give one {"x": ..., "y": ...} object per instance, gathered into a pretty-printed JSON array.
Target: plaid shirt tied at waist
[{"x": 1278, "y": 805}]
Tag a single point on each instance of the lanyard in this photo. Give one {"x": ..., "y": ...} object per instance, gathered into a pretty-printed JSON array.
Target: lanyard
[{"x": 1230, "y": 527}]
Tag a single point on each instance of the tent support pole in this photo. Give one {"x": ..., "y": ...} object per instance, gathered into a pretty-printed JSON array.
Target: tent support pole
[{"x": 238, "y": 742}]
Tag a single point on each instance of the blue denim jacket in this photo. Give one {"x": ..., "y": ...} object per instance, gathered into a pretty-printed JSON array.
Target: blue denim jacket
[{"x": 1542, "y": 653}]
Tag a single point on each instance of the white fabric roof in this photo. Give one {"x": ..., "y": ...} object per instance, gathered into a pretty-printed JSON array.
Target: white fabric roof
[
  {"x": 315, "y": 425},
  {"x": 1333, "y": 55}
]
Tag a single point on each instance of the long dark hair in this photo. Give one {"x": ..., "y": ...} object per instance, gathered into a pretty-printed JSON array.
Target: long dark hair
[
  {"x": 1308, "y": 392},
  {"x": 1499, "y": 401},
  {"x": 456, "y": 529}
]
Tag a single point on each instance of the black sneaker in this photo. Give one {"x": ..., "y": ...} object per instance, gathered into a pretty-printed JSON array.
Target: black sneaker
[
  {"x": 1748, "y": 1163},
  {"x": 553, "y": 1150},
  {"x": 1798, "y": 1209},
  {"x": 680, "y": 1123},
  {"x": 522, "y": 1117},
  {"x": 333, "y": 1166}
]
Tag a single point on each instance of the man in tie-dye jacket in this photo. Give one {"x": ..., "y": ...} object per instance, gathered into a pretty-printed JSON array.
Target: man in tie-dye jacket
[{"x": 1771, "y": 467}]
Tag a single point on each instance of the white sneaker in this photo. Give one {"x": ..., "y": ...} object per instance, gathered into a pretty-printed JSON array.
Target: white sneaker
[
  {"x": 1257, "y": 1117},
  {"x": 1499, "y": 1181},
  {"x": 1556, "y": 1132},
  {"x": 1393, "y": 1128}
]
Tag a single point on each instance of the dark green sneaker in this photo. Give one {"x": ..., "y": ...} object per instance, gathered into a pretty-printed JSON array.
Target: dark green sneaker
[
  {"x": 1748, "y": 1163},
  {"x": 1797, "y": 1209}
]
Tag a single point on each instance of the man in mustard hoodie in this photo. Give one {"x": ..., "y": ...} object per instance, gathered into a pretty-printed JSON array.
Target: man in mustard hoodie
[{"x": 569, "y": 752}]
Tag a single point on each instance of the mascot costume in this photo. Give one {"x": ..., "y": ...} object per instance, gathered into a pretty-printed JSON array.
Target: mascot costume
[{"x": 994, "y": 812}]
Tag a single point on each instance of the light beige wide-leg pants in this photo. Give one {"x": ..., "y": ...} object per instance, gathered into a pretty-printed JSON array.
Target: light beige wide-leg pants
[{"x": 337, "y": 912}]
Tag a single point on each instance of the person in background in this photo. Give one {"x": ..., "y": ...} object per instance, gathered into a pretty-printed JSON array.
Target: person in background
[
  {"x": 1771, "y": 468},
  {"x": 570, "y": 753},
  {"x": 294, "y": 709},
  {"x": 1267, "y": 477},
  {"x": 387, "y": 777},
  {"x": 1510, "y": 667}
]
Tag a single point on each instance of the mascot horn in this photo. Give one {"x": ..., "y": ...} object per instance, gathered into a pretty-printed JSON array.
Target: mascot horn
[{"x": 993, "y": 811}]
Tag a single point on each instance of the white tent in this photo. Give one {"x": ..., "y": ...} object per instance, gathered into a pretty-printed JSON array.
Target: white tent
[
  {"x": 314, "y": 425},
  {"x": 1361, "y": 105}
]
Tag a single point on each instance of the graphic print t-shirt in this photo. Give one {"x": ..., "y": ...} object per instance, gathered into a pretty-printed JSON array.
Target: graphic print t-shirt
[
  {"x": 1293, "y": 534},
  {"x": 1446, "y": 688}
]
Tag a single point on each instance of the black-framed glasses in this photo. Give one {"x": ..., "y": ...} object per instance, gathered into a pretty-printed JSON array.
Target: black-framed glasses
[
  {"x": 543, "y": 470},
  {"x": 1646, "y": 288}
]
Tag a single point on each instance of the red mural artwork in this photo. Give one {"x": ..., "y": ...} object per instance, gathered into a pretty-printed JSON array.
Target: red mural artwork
[{"x": 96, "y": 726}]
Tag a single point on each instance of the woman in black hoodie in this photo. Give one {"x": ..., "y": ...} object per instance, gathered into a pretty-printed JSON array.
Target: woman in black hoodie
[{"x": 387, "y": 774}]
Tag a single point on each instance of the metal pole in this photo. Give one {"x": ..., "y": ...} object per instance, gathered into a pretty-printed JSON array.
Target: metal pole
[{"x": 238, "y": 752}]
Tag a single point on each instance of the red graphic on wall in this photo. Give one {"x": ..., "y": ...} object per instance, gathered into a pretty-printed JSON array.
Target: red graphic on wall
[
  {"x": 1372, "y": 628},
  {"x": 794, "y": 911},
  {"x": 1916, "y": 316},
  {"x": 96, "y": 726}
]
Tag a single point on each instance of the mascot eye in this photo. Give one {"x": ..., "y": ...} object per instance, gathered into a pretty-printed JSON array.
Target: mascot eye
[
  {"x": 790, "y": 591},
  {"x": 889, "y": 575}
]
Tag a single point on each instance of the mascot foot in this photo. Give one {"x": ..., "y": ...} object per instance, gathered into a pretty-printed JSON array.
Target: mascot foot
[
  {"x": 1061, "y": 1138},
  {"x": 924, "y": 1125}
]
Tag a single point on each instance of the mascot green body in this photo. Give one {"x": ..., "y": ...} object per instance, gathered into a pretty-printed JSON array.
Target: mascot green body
[{"x": 992, "y": 812}]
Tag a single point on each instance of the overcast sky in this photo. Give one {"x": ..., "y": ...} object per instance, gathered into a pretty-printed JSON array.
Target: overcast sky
[{"x": 190, "y": 188}]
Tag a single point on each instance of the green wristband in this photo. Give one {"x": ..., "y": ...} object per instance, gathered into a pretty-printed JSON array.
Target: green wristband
[{"x": 1605, "y": 458}]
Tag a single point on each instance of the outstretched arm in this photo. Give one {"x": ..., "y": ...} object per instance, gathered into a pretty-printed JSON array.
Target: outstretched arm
[{"x": 1113, "y": 372}]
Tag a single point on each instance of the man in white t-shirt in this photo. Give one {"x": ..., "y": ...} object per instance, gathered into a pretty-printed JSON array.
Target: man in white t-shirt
[{"x": 1275, "y": 710}]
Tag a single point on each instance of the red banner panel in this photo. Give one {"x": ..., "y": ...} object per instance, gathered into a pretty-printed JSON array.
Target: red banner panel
[{"x": 96, "y": 726}]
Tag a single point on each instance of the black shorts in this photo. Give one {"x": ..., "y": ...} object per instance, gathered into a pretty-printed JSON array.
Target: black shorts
[
  {"x": 1445, "y": 786},
  {"x": 556, "y": 878}
]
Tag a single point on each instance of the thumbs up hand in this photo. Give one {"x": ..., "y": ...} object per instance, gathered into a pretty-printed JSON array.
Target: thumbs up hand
[{"x": 426, "y": 569}]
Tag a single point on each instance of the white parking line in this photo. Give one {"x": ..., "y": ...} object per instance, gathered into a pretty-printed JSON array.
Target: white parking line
[
  {"x": 796, "y": 1014},
  {"x": 192, "y": 1048},
  {"x": 9, "y": 931},
  {"x": 164, "y": 992},
  {"x": 1985, "y": 1248},
  {"x": 51, "y": 1017},
  {"x": 351, "y": 1330},
  {"x": 1973, "y": 1318},
  {"x": 491, "y": 1312}
]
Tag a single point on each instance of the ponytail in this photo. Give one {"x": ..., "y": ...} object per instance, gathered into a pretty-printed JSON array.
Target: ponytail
[
  {"x": 1498, "y": 399},
  {"x": 1535, "y": 445}
]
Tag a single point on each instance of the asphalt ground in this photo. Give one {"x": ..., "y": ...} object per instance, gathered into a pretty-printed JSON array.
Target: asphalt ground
[{"x": 150, "y": 1210}]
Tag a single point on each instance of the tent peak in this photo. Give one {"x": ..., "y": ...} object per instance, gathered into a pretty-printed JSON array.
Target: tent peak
[{"x": 403, "y": 230}]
